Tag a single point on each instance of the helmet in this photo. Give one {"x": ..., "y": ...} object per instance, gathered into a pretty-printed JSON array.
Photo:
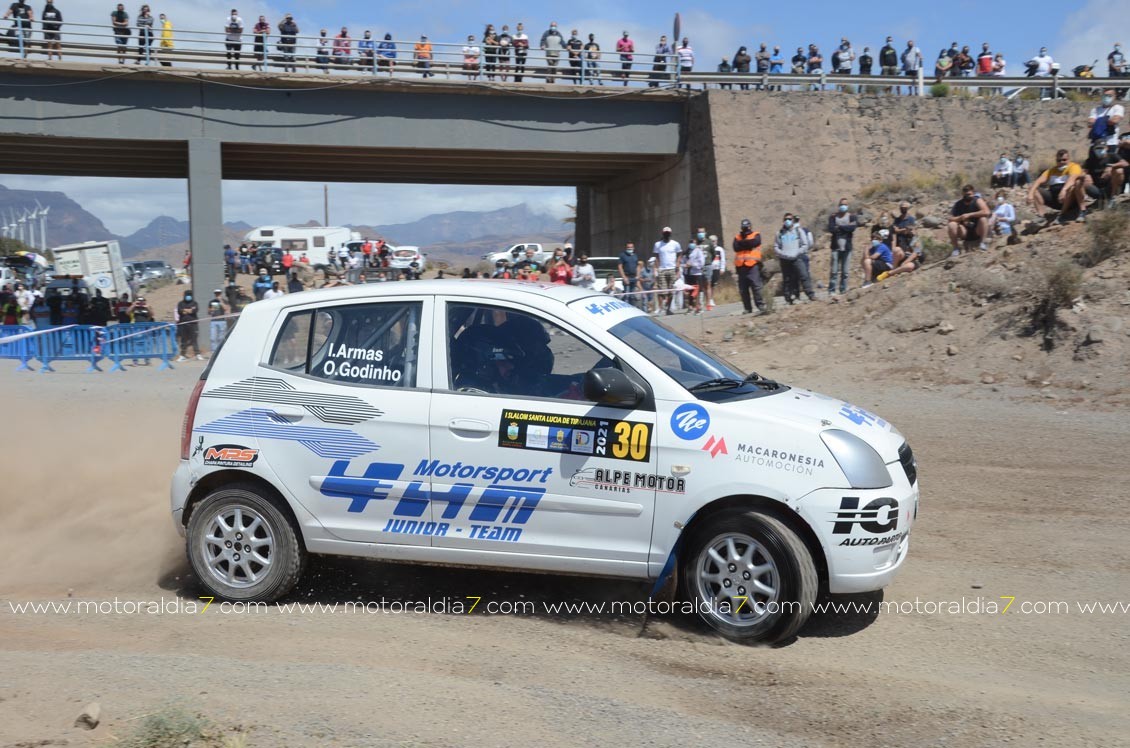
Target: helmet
[{"x": 475, "y": 356}]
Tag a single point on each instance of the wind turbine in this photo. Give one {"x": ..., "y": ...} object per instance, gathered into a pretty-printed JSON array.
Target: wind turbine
[
  {"x": 5, "y": 229},
  {"x": 20, "y": 225},
  {"x": 43, "y": 226}
]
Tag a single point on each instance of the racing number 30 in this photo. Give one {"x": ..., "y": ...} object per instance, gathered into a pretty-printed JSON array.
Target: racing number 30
[{"x": 631, "y": 441}]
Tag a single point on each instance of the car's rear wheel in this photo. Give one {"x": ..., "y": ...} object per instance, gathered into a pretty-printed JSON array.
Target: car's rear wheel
[
  {"x": 750, "y": 577},
  {"x": 242, "y": 546}
]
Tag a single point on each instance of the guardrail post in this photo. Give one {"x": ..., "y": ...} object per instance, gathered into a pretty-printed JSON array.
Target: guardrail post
[
  {"x": 1055, "y": 85},
  {"x": 20, "y": 36},
  {"x": 921, "y": 82}
]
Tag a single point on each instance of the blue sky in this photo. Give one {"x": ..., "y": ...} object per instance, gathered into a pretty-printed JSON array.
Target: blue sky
[{"x": 1074, "y": 33}]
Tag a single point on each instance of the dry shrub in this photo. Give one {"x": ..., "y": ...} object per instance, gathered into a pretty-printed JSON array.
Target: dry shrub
[
  {"x": 1110, "y": 236},
  {"x": 1056, "y": 289}
]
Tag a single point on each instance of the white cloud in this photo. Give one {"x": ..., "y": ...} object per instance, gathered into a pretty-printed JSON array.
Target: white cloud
[
  {"x": 1090, "y": 33},
  {"x": 126, "y": 205}
]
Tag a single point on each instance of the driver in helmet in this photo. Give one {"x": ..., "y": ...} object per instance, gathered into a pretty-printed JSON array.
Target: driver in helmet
[{"x": 483, "y": 360}]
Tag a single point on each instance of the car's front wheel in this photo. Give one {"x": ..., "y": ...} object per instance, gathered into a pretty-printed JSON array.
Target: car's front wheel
[
  {"x": 242, "y": 546},
  {"x": 750, "y": 577}
]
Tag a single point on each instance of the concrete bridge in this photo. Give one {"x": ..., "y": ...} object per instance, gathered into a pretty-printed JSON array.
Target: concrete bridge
[{"x": 639, "y": 158}]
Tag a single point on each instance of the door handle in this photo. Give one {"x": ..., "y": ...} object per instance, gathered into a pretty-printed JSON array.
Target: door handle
[{"x": 470, "y": 427}]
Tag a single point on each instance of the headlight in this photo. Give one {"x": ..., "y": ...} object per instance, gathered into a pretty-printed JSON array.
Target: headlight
[{"x": 861, "y": 464}]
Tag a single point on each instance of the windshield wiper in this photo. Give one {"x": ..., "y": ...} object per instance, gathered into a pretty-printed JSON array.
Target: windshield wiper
[
  {"x": 718, "y": 383},
  {"x": 760, "y": 381}
]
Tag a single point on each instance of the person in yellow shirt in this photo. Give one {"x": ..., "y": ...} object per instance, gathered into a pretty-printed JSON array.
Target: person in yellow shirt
[
  {"x": 1059, "y": 188},
  {"x": 422, "y": 53},
  {"x": 166, "y": 40}
]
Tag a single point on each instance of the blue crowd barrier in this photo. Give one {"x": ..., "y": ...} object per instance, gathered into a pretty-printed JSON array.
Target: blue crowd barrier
[
  {"x": 24, "y": 350},
  {"x": 73, "y": 343},
  {"x": 140, "y": 340}
]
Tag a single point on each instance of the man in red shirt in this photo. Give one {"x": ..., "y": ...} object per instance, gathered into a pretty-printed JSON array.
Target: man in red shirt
[{"x": 287, "y": 260}]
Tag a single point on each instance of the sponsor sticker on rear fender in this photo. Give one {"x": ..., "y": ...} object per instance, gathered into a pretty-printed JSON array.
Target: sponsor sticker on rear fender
[{"x": 230, "y": 455}]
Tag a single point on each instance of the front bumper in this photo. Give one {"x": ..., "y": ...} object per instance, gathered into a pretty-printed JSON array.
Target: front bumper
[{"x": 865, "y": 533}]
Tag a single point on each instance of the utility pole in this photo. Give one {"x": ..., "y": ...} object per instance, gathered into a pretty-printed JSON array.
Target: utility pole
[{"x": 326, "y": 205}]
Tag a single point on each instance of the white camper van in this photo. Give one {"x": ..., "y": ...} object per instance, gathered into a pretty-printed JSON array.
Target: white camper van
[{"x": 316, "y": 241}]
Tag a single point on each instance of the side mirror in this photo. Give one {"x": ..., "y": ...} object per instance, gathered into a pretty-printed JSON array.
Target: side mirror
[{"x": 612, "y": 387}]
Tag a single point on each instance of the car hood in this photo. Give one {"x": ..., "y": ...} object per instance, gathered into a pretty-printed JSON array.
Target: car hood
[{"x": 819, "y": 412}]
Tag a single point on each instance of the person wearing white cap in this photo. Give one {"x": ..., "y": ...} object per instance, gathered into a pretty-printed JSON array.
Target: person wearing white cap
[
  {"x": 669, "y": 253},
  {"x": 217, "y": 325}
]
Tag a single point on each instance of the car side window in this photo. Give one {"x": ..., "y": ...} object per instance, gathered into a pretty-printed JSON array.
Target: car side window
[
  {"x": 506, "y": 352},
  {"x": 375, "y": 343}
]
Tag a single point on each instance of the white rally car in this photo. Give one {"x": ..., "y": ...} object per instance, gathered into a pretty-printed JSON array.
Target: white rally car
[{"x": 530, "y": 426}]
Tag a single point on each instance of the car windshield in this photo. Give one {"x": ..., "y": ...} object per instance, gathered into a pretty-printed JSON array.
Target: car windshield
[{"x": 702, "y": 373}]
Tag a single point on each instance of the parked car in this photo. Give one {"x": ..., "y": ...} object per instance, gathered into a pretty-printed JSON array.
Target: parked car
[
  {"x": 407, "y": 258},
  {"x": 518, "y": 252},
  {"x": 530, "y": 427}
]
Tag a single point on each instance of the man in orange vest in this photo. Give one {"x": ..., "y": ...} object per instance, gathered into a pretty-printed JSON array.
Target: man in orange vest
[{"x": 747, "y": 266}]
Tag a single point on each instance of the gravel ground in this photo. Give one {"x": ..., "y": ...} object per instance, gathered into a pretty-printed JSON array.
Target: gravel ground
[{"x": 1019, "y": 499}]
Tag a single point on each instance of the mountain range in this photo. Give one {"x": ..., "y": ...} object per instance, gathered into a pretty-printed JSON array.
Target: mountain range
[{"x": 453, "y": 234}]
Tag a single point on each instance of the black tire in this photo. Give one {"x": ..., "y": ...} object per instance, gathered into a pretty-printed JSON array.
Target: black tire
[
  {"x": 761, "y": 618},
  {"x": 212, "y": 553}
]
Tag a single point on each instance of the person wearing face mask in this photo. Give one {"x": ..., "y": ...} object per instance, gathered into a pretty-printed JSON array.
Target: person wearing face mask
[
  {"x": 1019, "y": 171},
  {"x": 789, "y": 246},
  {"x": 841, "y": 225},
  {"x": 878, "y": 261},
  {"x": 1004, "y": 216},
  {"x": 552, "y": 42},
  {"x": 660, "y": 62},
  {"x": 288, "y": 39},
  {"x": 1116, "y": 62},
  {"x": 1002, "y": 172},
  {"x": 740, "y": 65},
  {"x": 626, "y": 48},
  {"x": 1121, "y": 164},
  {"x": 1106, "y": 120},
  {"x": 1057, "y": 187},
  {"x": 367, "y": 51},
  {"x": 747, "y": 266},
  {"x": 386, "y": 54},
  {"x": 261, "y": 30},
  {"x": 1040, "y": 66},
  {"x": 322, "y": 58},
  {"x": 186, "y": 316},
  {"x": 1098, "y": 174},
  {"x": 233, "y": 38},
  {"x": 669, "y": 253},
  {"x": 629, "y": 267},
  {"x": 904, "y": 229},
  {"x": 717, "y": 254},
  {"x": 969, "y": 220}
]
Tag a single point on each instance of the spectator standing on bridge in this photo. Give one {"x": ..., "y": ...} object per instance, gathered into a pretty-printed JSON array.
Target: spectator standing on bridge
[
  {"x": 725, "y": 68},
  {"x": 166, "y": 41},
  {"x": 866, "y": 62},
  {"x": 552, "y": 42},
  {"x": 144, "y": 25},
  {"x": 663, "y": 54},
  {"x": 490, "y": 51},
  {"x": 505, "y": 44},
  {"x": 762, "y": 61},
  {"x": 119, "y": 19},
  {"x": 747, "y": 266},
  {"x": 261, "y": 30},
  {"x": 626, "y": 48},
  {"x": 343, "y": 48},
  {"x": 521, "y": 52},
  {"x": 233, "y": 38},
  {"x": 963, "y": 64},
  {"x": 846, "y": 57},
  {"x": 367, "y": 51},
  {"x": 685, "y": 53},
  {"x": 22, "y": 15},
  {"x": 186, "y": 316},
  {"x": 576, "y": 51},
  {"x": 888, "y": 58},
  {"x": 52, "y": 22},
  {"x": 386, "y": 54},
  {"x": 814, "y": 65},
  {"x": 1116, "y": 62},
  {"x": 592, "y": 61},
  {"x": 984, "y": 61},
  {"x": 422, "y": 55},
  {"x": 288, "y": 40},
  {"x": 471, "y": 58},
  {"x": 911, "y": 62}
]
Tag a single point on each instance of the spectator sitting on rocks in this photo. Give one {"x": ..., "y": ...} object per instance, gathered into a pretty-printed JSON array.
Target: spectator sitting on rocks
[
  {"x": 1118, "y": 170},
  {"x": 1019, "y": 171},
  {"x": 905, "y": 260},
  {"x": 904, "y": 230},
  {"x": 1004, "y": 215},
  {"x": 878, "y": 260},
  {"x": 1098, "y": 176},
  {"x": 1002, "y": 172},
  {"x": 969, "y": 220},
  {"x": 1057, "y": 187}
]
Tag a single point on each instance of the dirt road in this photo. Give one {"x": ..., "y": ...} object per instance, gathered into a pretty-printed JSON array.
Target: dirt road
[{"x": 1020, "y": 500}]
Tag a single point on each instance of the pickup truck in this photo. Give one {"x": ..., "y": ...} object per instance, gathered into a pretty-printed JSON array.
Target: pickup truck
[{"x": 518, "y": 252}]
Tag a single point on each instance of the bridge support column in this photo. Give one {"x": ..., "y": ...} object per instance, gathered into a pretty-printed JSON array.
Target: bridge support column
[{"x": 205, "y": 219}]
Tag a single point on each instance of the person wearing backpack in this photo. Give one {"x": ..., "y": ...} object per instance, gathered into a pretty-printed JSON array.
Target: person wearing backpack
[{"x": 1105, "y": 120}]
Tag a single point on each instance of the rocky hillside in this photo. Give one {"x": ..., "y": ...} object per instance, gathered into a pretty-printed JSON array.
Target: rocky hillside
[{"x": 1048, "y": 317}]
